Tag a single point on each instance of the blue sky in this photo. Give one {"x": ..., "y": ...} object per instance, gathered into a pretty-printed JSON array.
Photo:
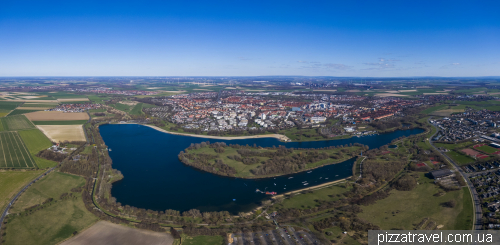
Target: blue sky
[{"x": 242, "y": 38}]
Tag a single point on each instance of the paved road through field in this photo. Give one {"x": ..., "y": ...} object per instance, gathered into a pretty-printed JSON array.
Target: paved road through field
[{"x": 5, "y": 212}]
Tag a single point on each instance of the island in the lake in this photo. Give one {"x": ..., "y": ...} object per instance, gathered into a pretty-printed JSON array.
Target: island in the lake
[{"x": 261, "y": 162}]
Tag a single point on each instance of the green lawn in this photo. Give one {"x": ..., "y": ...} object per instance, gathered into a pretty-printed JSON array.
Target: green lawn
[
  {"x": 454, "y": 146},
  {"x": 487, "y": 149},
  {"x": 203, "y": 240},
  {"x": 460, "y": 159},
  {"x": 57, "y": 220},
  {"x": 12, "y": 182},
  {"x": 405, "y": 209},
  {"x": 75, "y": 122}
]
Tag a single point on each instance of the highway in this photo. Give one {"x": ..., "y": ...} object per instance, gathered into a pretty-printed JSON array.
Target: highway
[
  {"x": 5, "y": 212},
  {"x": 478, "y": 212}
]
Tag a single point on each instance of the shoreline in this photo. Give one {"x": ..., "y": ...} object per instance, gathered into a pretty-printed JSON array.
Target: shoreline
[
  {"x": 311, "y": 188},
  {"x": 276, "y": 136}
]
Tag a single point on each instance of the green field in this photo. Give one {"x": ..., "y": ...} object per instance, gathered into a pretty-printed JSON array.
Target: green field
[
  {"x": 13, "y": 123},
  {"x": 13, "y": 152},
  {"x": 307, "y": 201},
  {"x": 460, "y": 159},
  {"x": 57, "y": 220},
  {"x": 20, "y": 112},
  {"x": 137, "y": 110},
  {"x": 434, "y": 108},
  {"x": 405, "y": 209},
  {"x": 121, "y": 107},
  {"x": 38, "y": 105},
  {"x": 99, "y": 98},
  {"x": 36, "y": 141},
  {"x": 8, "y": 106},
  {"x": 75, "y": 122},
  {"x": 13, "y": 181},
  {"x": 203, "y": 240},
  {"x": 487, "y": 149}
]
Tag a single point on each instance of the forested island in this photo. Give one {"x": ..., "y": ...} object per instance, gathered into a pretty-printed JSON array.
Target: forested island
[{"x": 259, "y": 162}]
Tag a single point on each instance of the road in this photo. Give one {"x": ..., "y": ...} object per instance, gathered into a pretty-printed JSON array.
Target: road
[
  {"x": 5, "y": 212},
  {"x": 478, "y": 212}
]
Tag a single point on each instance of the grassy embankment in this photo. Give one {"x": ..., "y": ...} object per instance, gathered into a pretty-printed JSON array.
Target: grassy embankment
[
  {"x": 58, "y": 219},
  {"x": 244, "y": 171}
]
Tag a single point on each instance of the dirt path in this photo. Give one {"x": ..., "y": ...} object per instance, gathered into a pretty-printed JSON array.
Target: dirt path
[
  {"x": 277, "y": 136},
  {"x": 107, "y": 233}
]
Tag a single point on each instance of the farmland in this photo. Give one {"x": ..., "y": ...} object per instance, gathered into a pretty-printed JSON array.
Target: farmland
[
  {"x": 104, "y": 232},
  {"x": 21, "y": 111},
  {"x": 18, "y": 122},
  {"x": 36, "y": 141},
  {"x": 8, "y": 106},
  {"x": 13, "y": 153},
  {"x": 57, "y": 220},
  {"x": 58, "y": 133},
  {"x": 57, "y": 116},
  {"x": 75, "y": 122}
]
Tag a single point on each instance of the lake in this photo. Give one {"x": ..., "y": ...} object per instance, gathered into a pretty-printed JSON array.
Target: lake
[{"x": 154, "y": 178}]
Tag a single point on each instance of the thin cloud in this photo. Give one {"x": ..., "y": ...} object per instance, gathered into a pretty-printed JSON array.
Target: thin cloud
[
  {"x": 382, "y": 63},
  {"x": 450, "y": 65}
]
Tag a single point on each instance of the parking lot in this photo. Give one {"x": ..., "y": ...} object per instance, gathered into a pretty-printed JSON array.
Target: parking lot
[{"x": 280, "y": 236}]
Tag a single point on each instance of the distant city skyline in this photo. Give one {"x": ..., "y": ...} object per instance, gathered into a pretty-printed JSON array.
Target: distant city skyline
[{"x": 254, "y": 38}]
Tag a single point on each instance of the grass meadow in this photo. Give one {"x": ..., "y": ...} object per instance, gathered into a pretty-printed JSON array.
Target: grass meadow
[
  {"x": 405, "y": 209},
  {"x": 12, "y": 182},
  {"x": 57, "y": 220}
]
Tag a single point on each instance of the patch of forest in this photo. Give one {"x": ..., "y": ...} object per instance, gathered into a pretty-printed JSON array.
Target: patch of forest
[{"x": 230, "y": 160}]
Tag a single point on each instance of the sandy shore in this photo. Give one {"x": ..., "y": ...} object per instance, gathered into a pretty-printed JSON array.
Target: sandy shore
[{"x": 277, "y": 136}]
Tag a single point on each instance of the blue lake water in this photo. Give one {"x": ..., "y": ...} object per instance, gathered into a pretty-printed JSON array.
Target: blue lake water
[{"x": 154, "y": 178}]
